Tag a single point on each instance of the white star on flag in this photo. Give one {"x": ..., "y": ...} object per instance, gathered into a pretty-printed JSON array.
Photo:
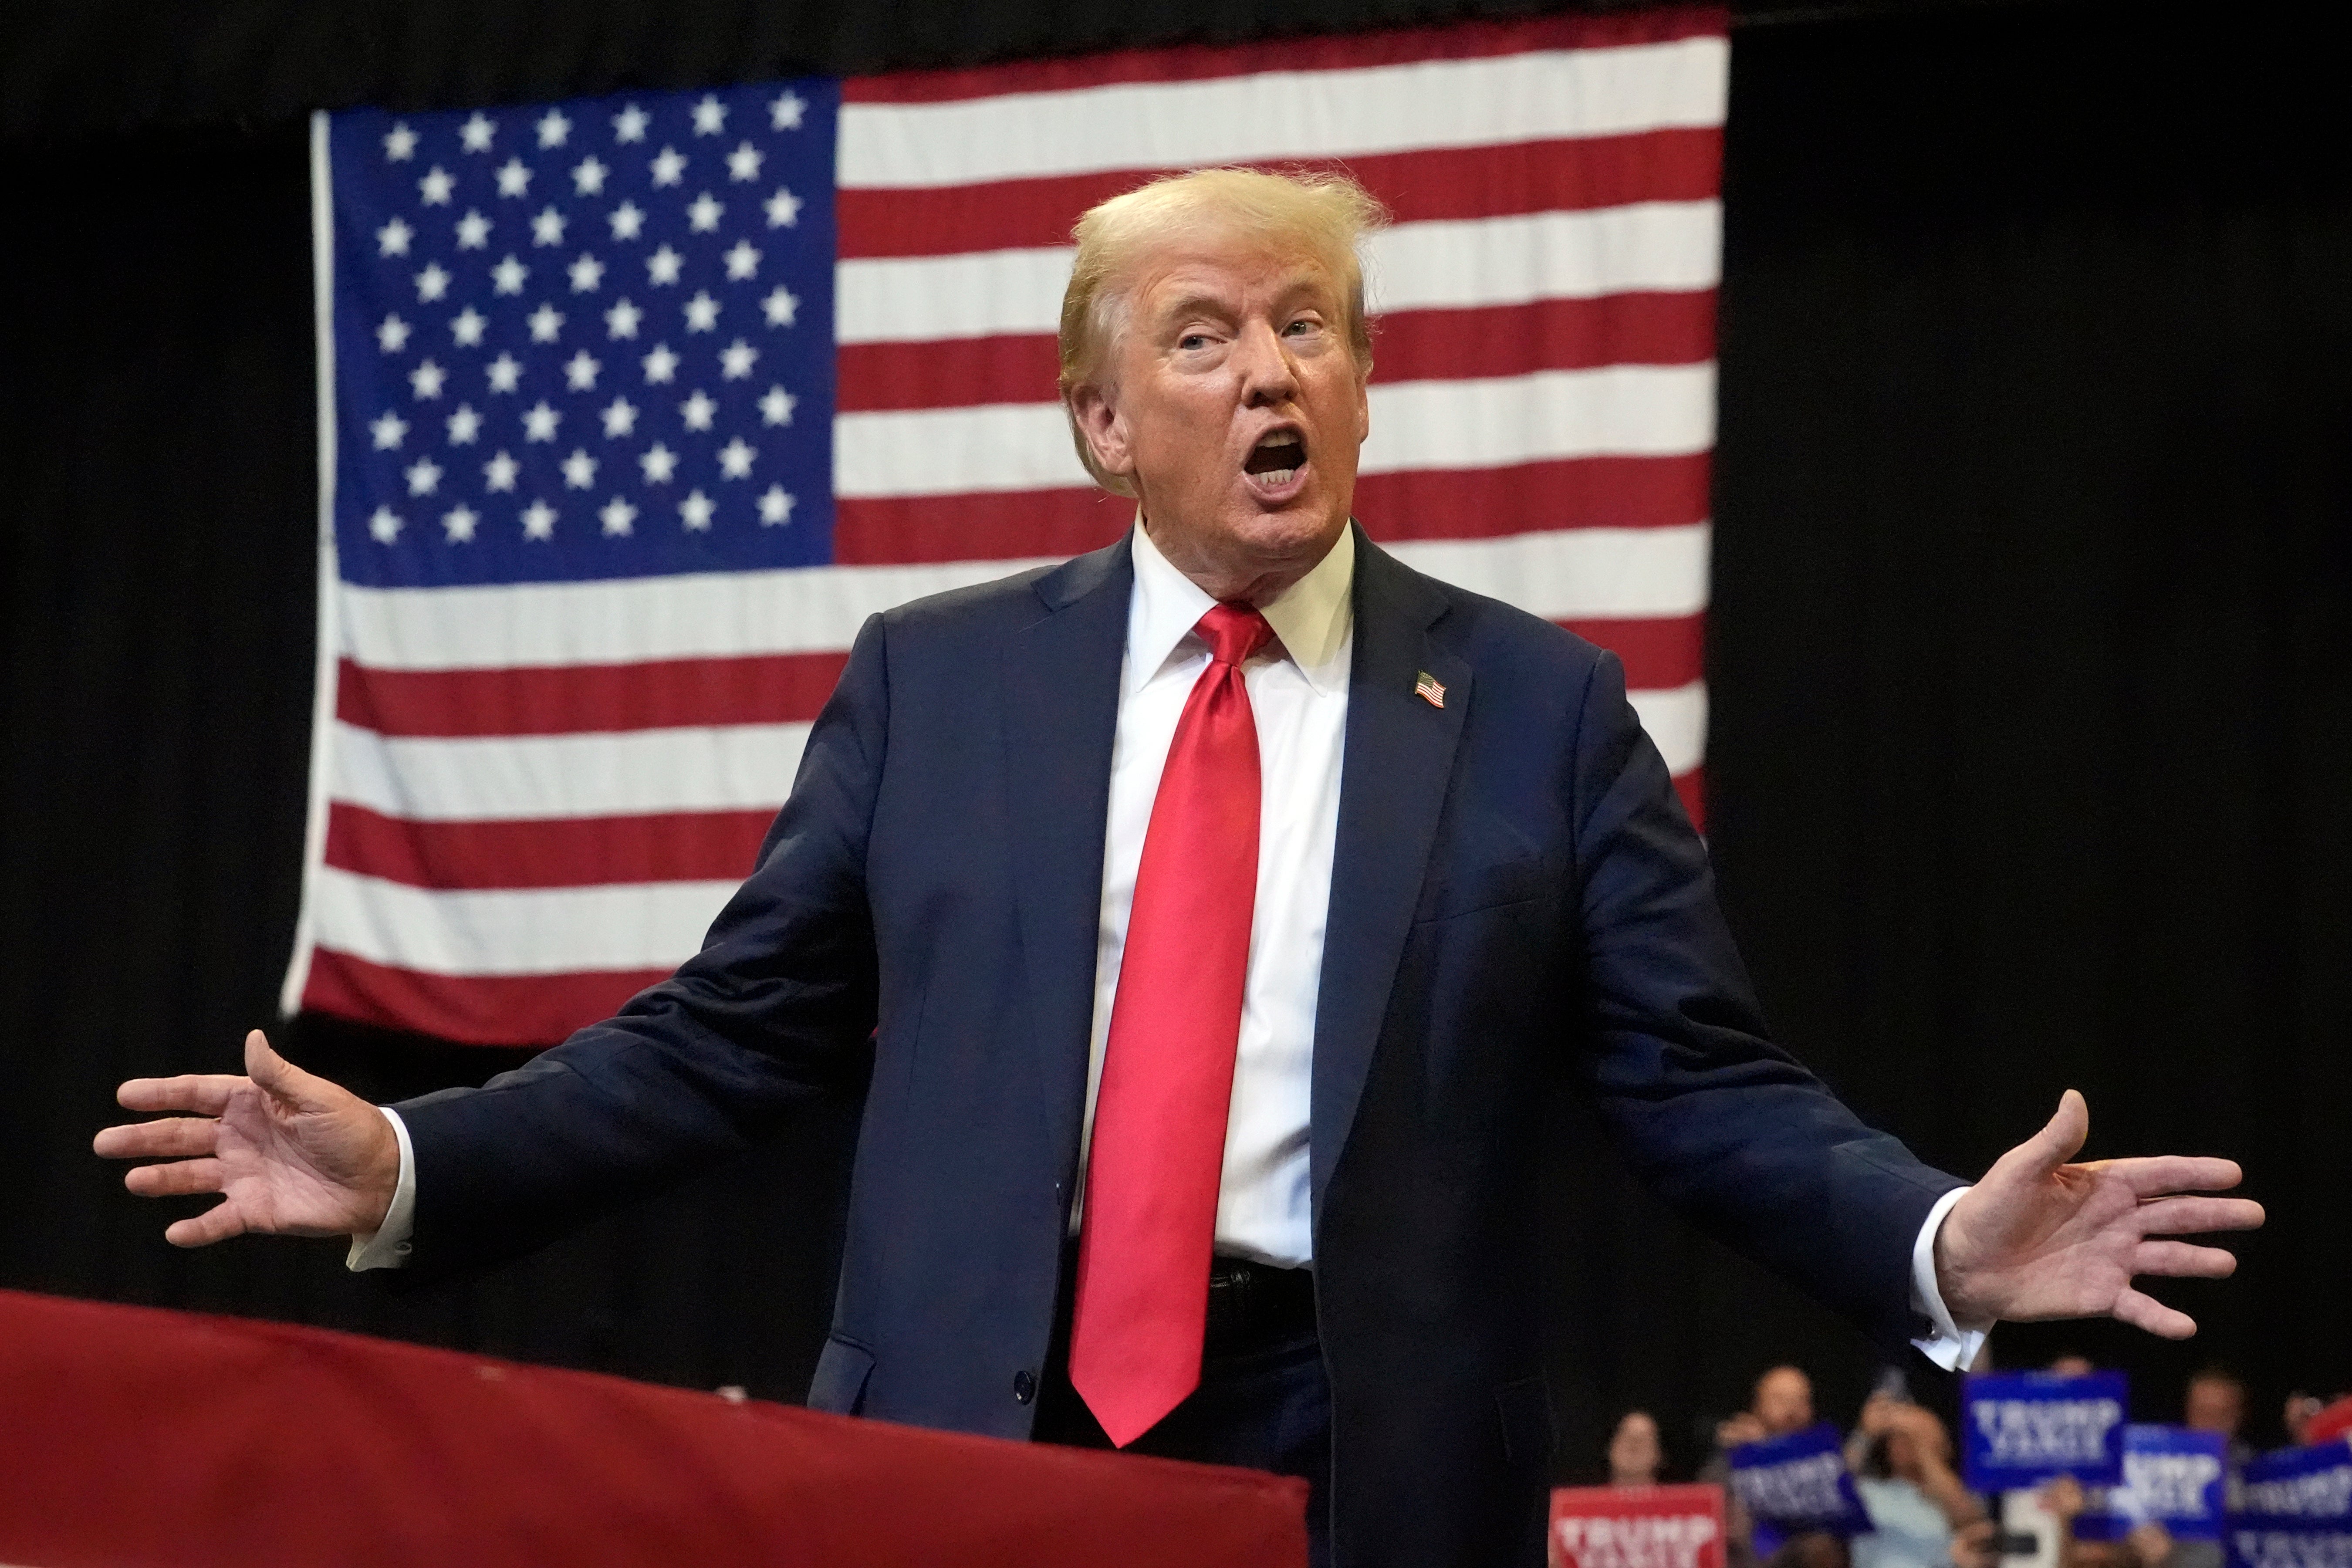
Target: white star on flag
[
  {"x": 507, "y": 276},
  {"x": 399, "y": 143},
  {"x": 473, "y": 231},
  {"x": 695, "y": 511},
  {"x": 538, "y": 423},
  {"x": 579, "y": 469},
  {"x": 776, "y": 408},
  {"x": 464, "y": 425},
  {"x": 735, "y": 361},
  {"x": 705, "y": 212},
  {"x": 660, "y": 463},
  {"x": 547, "y": 228},
  {"x": 663, "y": 265},
  {"x": 538, "y": 521},
  {"x": 620, "y": 417},
  {"x": 743, "y": 261},
  {"x": 780, "y": 304},
  {"x": 426, "y": 378},
  {"x": 618, "y": 515},
  {"x": 459, "y": 524},
  {"x": 436, "y": 187},
  {"x": 629, "y": 126},
  {"x": 702, "y": 312},
  {"x": 391, "y": 334},
  {"x": 735, "y": 459},
  {"x": 775, "y": 507},
  {"x": 385, "y": 525},
  {"x": 784, "y": 209},
  {"x": 423, "y": 476},
  {"x": 545, "y": 322},
  {"x": 514, "y": 178},
  {"x": 588, "y": 177},
  {"x": 498, "y": 473},
  {"x": 467, "y": 327},
  {"x": 388, "y": 430},
  {"x": 697, "y": 411},
  {"x": 553, "y": 128},
  {"x": 743, "y": 164},
  {"x": 785, "y": 112},
  {"x": 392, "y": 239},
  {"x": 432, "y": 283},
  {"x": 621, "y": 320},
  {"x": 505, "y": 373},
  {"x": 628, "y": 221},
  {"x": 661, "y": 365},
  {"x": 580, "y": 371},
  {"x": 586, "y": 274},
  {"x": 709, "y": 116},
  {"x": 669, "y": 167},
  {"x": 475, "y": 133}
]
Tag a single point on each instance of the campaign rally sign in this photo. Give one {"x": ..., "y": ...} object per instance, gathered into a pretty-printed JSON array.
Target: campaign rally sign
[
  {"x": 2172, "y": 1477},
  {"x": 2019, "y": 1429},
  {"x": 1636, "y": 1526},
  {"x": 1797, "y": 1483},
  {"x": 2294, "y": 1510}
]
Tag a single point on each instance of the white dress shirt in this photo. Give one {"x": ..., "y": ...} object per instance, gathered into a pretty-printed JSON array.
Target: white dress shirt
[{"x": 1298, "y": 687}]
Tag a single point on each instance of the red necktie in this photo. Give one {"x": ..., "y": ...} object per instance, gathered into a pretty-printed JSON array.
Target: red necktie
[{"x": 1167, "y": 1068}]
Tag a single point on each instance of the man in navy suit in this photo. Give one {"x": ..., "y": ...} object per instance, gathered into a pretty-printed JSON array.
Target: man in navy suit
[{"x": 1217, "y": 904}]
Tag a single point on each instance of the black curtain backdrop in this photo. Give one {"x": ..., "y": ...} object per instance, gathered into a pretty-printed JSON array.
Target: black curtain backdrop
[{"x": 2032, "y": 605}]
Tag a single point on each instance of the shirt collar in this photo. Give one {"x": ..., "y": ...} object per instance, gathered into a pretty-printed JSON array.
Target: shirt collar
[{"x": 1311, "y": 618}]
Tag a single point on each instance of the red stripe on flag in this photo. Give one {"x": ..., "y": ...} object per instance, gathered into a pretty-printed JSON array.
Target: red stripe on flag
[
  {"x": 1407, "y": 345},
  {"x": 1505, "y": 179},
  {"x": 1659, "y": 655},
  {"x": 547, "y": 852},
  {"x": 1403, "y": 45},
  {"x": 1573, "y": 492},
  {"x": 1005, "y": 525},
  {"x": 767, "y": 689},
  {"x": 474, "y": 1009}
]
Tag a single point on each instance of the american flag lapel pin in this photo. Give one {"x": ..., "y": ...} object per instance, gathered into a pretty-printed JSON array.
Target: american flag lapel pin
[{"x": 1429, "y": 687}]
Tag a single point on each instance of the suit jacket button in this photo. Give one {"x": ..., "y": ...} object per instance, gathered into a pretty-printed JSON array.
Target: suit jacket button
[{"x": 1024, "y": 1386}]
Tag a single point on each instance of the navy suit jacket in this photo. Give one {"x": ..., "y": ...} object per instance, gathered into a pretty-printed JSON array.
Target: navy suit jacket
[{"x": 1516, "y": 894}]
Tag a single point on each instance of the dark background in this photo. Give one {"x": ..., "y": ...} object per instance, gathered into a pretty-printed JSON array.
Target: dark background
[{"x": 2032, "y": 589}]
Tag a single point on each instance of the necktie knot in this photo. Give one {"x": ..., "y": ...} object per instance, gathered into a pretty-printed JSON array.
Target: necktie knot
[{"x": 1233, "y": 632}]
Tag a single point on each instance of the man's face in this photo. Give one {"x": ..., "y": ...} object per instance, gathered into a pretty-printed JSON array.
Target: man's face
[
  {"x": 1634, "y": 1452},
  {"x": 2215, "y": 1405},
  {"x": 1784, "y": 1401},
  {"x": 1233, "y": 405}
]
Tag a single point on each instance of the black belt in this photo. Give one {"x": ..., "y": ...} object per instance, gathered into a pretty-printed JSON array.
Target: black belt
[{"x": 1254, "y": 1305}]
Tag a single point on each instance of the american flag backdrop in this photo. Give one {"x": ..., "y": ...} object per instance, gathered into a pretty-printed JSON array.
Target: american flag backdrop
[{"x": 634, "y": 408}]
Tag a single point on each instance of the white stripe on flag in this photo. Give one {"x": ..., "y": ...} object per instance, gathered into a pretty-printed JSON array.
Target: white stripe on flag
[
  {"x": 1677, "y": 720},
  {"x": 1644, "y": 248},
  {"x": 534, "y": 931},
  {"x": 1646, "y": 410},
  {"x": 515, "y": 778},
  {"x": 1279, "y": 115},
  {"x": 1566, "y": 574}
]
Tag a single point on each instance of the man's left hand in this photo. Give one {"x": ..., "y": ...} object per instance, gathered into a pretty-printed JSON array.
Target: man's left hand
[{"x": 2042, "y": 1237}]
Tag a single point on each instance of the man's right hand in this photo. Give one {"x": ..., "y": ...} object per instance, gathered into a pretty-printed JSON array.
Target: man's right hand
[{"x": 289, "y": 1153}]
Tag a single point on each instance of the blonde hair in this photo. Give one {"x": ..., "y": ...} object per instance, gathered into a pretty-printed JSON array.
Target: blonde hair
[{"x": 1324, "y": 216}]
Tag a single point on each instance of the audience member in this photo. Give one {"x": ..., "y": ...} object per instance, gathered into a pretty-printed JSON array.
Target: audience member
[
  {"x": 2216, "y": 1402},
  {"x": 1634, "y": 1451},
  {"x": 1781, "y": 1402},
  {"x": 1901, "y": 1460}
]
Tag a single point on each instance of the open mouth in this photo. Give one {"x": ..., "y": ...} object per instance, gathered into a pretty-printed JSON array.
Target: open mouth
[{"x": 1275, "y": 460}]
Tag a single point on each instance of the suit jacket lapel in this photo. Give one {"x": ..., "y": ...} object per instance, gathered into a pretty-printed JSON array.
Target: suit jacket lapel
[
  {"x": 1060, "y": 682},
  {"x": 1399, "y": 757}
]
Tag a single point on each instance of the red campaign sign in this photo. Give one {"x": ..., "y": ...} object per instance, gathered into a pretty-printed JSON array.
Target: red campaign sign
[{"x": 1636, "y": 1526}]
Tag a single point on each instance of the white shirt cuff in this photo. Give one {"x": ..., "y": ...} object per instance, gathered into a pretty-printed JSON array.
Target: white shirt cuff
[
  {"x": 388, "y": 1246},
  {"x": 1949, "y": 1346}
]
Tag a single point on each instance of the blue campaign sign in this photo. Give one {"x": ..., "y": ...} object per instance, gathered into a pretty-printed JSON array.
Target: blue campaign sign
[
  {"x": 1799, "y": 1483},
  {"x": 2294, "y": 1510},
  {"x": 2172, "y": 1477},
  {"x": 2019, "y": 1429}
]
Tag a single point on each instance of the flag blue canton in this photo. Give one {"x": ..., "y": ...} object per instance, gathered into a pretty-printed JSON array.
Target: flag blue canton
[{"x": 591, "y": 340}]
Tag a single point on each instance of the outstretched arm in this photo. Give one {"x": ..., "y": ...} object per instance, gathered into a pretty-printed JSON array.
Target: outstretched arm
[
  {"x": 2043, "y": 1238},
  {"x": 289, "y": 1152}
]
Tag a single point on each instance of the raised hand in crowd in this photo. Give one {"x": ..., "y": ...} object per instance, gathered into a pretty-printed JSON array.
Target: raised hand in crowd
[
  {"x": 2043, "y": 1238},
  {"x": 289, "y": 1152}
]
